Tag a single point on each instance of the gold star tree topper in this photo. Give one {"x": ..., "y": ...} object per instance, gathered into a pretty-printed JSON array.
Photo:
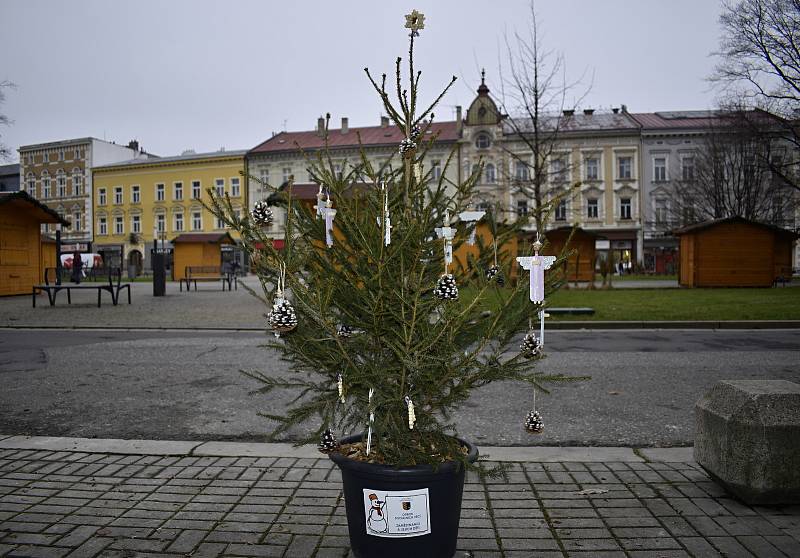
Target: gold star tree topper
[{"x": 415, "y": 21}]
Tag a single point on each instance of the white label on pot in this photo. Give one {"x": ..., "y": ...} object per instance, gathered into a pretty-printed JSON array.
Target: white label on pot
[{"x": 397, "y": 514}]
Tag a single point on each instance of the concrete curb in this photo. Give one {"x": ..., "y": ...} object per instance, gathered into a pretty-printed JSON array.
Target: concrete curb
[
  {"x": 246, "y": 449},
  {"x": 552, "y": 325}
]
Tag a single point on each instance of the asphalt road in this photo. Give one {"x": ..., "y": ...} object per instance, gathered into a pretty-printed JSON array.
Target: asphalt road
[{"x": 187, "y": 385}]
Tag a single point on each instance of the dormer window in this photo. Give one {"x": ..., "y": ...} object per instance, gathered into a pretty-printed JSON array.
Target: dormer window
[{"x": 483, "y": 141}]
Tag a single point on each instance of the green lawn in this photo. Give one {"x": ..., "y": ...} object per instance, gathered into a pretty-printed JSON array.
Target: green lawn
[
  {"x": 637, "y": 277},
  {"x": 682, "y": 304}
]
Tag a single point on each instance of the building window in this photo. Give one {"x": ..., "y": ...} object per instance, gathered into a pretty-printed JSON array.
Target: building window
[
  {"x": 624, "y": 208},
  {"x": 77, "y": 153},
  {"x": 102, "y": 226},
  {"x": 264, "y": 178},
  {"x": 76, "y": 221},
  {"x": 476, "y": 170},
  {"x": 197, "y": 221},
  {"x": 119, "y": 225},
  {"x": 219, "y": 223},
  {"x": 219, "y": 186},
  {"x": 136, "y": 224},
  {"x": 660, "y": 169},
  {"x": 159, "y": 192},
  {"x": 45, "y": 185},
  {"x": 77, "y": 182},
  {"x": 661, "y": 212},
  {"x": 31, "y": 184},
  {"x": 61, "y": 184},
  {"x": 136, "y": 195},
  {"x": 688, "y": 210},
  {"x": 561, "y": 211},
  {"x": 177, "y": 191},
  {"x": 482, "y": 205},
  {"x": 101, "y": 196},
  {"x": 592, "y": 168},
  {"x": 46, "y": 157},
  {"x": 624, "y": 165},
  {"x": 520, "y": 170},
  {"x": 489, "y": 174},
  {"x": 161, "y": 223},
  {"x": 179, "y": 221},
  {"x": 558, "y": 171},
  {"x": 436, "y": 169},
  {"x": 60, "y": 154},
  {"x": 287, "y": 172},
  {"x": 118, "y": 195},
  {"x": 235, "y": 191},
  {"x": 687, "y": 168},
  {"x": 592, "y": 208},
  {"x": 195, "y": 189},
  {"x": 522, "y": 207},
  {"x": 483, "y": 141}
]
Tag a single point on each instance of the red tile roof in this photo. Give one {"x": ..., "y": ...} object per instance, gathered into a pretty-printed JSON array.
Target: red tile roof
[
  {"x": 677, "y": 119},
  {"x": 370, "y": 136}
]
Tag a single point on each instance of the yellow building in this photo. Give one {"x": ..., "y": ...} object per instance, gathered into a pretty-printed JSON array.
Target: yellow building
[{"x": 136, "y": 201}]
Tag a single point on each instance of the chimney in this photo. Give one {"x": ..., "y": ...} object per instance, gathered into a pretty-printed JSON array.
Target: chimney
[
  {"x": 624, "y": 108},
  {"x": 133, "y": 144},
  {"x": 615, "y": 110},
  {"x": 588, "y": 112},
  {"x": 459, "y": 123},
  {"x": 320, "y": 126},
  {"x": 345, "y": 126},
  {"x": 568, "y": 112},
  {"x": 384, "y": 121}
]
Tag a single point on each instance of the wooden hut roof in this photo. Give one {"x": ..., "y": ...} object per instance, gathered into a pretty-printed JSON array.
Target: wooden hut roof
[
  {"x": 22, "y": 198},
  {"x": 211, "y": 238},
  {"x": 736, "y": 219}
]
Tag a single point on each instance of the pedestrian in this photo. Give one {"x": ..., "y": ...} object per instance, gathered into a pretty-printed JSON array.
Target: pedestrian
[
  {"x": 77, "y": 266},
  {"x": 620, "y": 267}
]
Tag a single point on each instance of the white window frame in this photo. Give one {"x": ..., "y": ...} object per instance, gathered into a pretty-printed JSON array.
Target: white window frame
[
  {"x": 236, "y": 186},
  {"x": 586, "y": 166},
  {"x": 521, "y": 208},
  {"x": 136, "y": 193},
  {"x": 161, "y": 222},
  {"x": 219, "y": 187},
  {"x": 45, "y": 185},
  {"x": 77, "y": 182},
  {"x": 177, "y": 191},
  {"x": 483, "y": 144},
  {"x": 76, "y": 221},
  {"x": 31, "y": 184},
  {"x": 102, "y": 225},
  {"x": 197, "y": 189},
  {"x": 560, "y": 214},
  {"x": 630, "y": 167},
  {"x": 101, "y": 196},
  {"x": 590, "y": 206},
  {"x": 136, "y": 224},
  {"x": 436, "y": 167},
  {"x": 490, "y": 173},
  {"x": 119, "y": 224},
  {"x": 664, "y": 168},
  {"x": 622, "y": 216},
  {"x": 287, "y": 172},
  {"x": 177, "y": 219},
  {"x": 160, "y": 191},
  {"x": 119, "y": 195},
  {"x": 684, "y": 158},
  {"x": 197, "y": 220},
  {"x": 61, "y": 184}
]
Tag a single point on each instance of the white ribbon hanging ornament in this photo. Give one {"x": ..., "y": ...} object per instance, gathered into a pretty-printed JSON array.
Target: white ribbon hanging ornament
[
  {"x": 340, "y": 387},
  {"x": 387, "y": 220},
  {"x": 472, "y": 217},
  {"x": 329, "y": 213},
  {"x": 320, "y": 207},
  {"x": 536, "y": 264},
  {"x": 412, "y": 417},
  {"x": 447, "y": 233},
  {"x": 371, "y": 420}
]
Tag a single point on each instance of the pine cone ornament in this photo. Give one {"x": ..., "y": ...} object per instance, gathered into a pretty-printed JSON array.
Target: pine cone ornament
[
  {"x": 262, "y": 214},
  {"x": 283, "y": 317},
  {"x": 494, "y": 273},
  {"x": 345, "y": 331},
  {"x": 533, "y": 423},
  {"x": 446, "y": 288},
  {"x": 530, "y": 346},
  {"x": 328, "y": 443},
  {"x": 416, "y": 132},
  {"x": 406, "y": 146}
]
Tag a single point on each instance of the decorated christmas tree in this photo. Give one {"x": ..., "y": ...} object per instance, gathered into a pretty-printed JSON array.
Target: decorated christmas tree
[{"x": 384, "y": 333}]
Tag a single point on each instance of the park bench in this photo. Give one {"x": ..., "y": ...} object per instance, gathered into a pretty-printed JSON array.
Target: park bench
[
  {"x": 113, "y": 286},
  {"x": 197, "y": 273}
]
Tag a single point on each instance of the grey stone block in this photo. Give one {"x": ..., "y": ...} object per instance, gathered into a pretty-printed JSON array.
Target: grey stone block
[{"x": 747, "y": 437}]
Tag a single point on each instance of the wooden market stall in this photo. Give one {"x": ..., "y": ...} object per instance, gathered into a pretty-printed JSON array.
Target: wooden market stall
[
  {"x": 464, "y": 252},
  {"x": 580, "y": 264},
  {"x": 734, "y": 252},
  {"x": 198, "y": 250},
  {"x": 21, "y": 255},
  {"x": 49, "y": 255}
]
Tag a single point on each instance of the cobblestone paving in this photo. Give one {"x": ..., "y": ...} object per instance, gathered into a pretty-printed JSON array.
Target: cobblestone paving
[{"x": 93, "y": 504}]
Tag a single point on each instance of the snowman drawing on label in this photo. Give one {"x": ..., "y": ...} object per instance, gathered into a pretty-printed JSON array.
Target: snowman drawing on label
[{"x": 376, "y": 520}]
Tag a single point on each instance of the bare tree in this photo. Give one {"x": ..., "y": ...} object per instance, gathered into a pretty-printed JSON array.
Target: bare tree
[
  {"x": 730, "y": 176},
  {"x": 534, "y": 94},
  {"x": 759, "y": 67},
  {"x": 5, "y": 152}
]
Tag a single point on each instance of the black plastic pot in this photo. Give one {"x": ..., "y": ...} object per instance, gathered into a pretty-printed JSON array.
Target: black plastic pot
[{"x": 373, "y": 527}]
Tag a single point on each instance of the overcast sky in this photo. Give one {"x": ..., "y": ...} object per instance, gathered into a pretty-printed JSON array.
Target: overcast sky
[{"x": 205, "y": 74}]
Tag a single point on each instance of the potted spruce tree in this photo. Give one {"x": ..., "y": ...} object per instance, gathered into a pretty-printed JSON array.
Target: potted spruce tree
[{"x": 385, "y": 335}]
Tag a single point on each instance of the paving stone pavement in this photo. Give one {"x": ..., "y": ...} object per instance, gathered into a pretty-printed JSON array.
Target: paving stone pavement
[{"x": 84, "y": 504}]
